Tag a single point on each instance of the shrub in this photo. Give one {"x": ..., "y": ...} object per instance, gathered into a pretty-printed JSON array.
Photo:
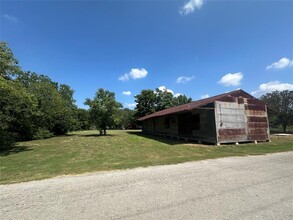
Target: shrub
[{"x": 43, "y": 133}]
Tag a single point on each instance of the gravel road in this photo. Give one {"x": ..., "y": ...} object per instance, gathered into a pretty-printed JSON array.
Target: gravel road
[{"x": 254, "y": 187}]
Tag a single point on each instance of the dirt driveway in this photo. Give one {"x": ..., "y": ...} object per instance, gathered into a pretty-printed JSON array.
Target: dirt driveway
[{"x": 254, "y": 187}]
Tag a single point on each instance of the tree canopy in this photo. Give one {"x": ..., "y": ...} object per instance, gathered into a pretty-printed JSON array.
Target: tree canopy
[
  {"x": 281, "y": 103},
  {"x": 145, "y": 103},
  {"x": 182, "y": 99},
  {"x": 103, "y": 109},
  {"x": 32, "y": 106},
  {"x": 8, "y": 63},
  {"x": 18, "y": 110},
  {"x": 149, "y": 101}
]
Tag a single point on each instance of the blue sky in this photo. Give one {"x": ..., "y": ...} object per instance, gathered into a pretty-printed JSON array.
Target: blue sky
[{"x": 199, "y": 48}]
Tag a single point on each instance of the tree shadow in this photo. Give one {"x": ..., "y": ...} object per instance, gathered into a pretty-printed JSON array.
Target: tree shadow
[
  {"x": 97, "y": 135},
  {"x": 13, "y": 150},
  {"x": 165, "y": 140},
  {"x": 168, "y": 140},
  {"x": 91, "y": 135}
]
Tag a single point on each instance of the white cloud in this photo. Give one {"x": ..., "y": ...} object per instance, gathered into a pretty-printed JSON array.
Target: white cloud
[
  {"x": 124, "y": 77},
  {"x": 281, "y": 64},
  {"x": 134, "y": 73},
  {"x": 205, "y": 96},
  {"x": 190, "y": 6},
  {"x": 10, "y": 18},
  {"x": 130, "y": 105},
  {"x": 138, "y": 73},
  {"x": 184, "y": 79},
  {"x": 231, "y": 79},
  {"x": 177, "y": 94},
  {"x": 126, "y": 93},
  {"x": 272, "y": 86},
  {"x": 164, "y": 88}
]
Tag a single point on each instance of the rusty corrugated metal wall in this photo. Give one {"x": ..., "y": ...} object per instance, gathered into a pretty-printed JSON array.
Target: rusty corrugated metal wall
[
  {"x": 257, "y": 120},
  {"x": 242, "y": 120}
]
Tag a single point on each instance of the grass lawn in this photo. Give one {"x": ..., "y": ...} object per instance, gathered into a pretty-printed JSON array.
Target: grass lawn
[{"x": 85, "y": 151}]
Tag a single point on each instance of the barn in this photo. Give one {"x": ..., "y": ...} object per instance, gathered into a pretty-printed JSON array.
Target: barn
[{"x": 231, "y": 117}]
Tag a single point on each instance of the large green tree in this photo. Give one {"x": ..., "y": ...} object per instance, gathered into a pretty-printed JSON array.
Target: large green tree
[
  {"x": 32, "y": 105},
  {"x": 281, "y": 103},
  {"x": 8, "y": 63},
  {"x": 164, "y": 99},
  {"x": 103, "y": 109},
  {"x": 182, "y": 99},
  {"x": 56, "y": 104},
  {"x": 146, "y": 103},
  {"x": 18, "y": 111},
  {"x": 149, "y": 101}
]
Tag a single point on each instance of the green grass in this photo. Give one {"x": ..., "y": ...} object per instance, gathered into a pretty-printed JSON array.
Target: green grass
[{"x": 81, "y": 152}]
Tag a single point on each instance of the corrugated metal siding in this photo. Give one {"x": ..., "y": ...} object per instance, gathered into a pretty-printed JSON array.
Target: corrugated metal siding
[
  {"x": 230, "y": 122},
  {"x": 244, "y": 120},
  {"x": 257, "y": 125}
]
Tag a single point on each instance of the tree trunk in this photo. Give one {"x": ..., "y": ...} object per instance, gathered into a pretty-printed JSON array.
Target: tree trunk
[
  {"x": 105, "y": 133},
  {"x": 284, "y": 126}
]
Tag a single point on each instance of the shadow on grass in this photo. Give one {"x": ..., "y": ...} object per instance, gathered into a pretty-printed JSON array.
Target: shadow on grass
[
  {"x": 164, "y": 140},
  {"x": 91, "y": 135},
  {"x": 13, "y": 150}
]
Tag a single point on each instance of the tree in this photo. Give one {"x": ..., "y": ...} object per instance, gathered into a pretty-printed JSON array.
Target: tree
[
  {"x": 282, "y": 104},
  {"x": 103, "y": 109},
  {"x": 8, "y": 64},
  {"x": 164, "y": 99},
  {"x": 83, "y": 119},
  {"x": 67, "y": 95},
  {"x": 146, "y": 103},
  {"x": 55, "y": 103},
  {"x": 18, "y": 109},
  {"x": 32, "y": 105},
  {"x": 125, "y": 119},
  {"x": 149, "y": 101},
  {"x": 181, "y": 99}
]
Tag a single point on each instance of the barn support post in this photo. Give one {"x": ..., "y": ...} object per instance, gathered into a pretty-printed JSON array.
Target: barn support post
[
  {"x": 269, "y": 136},
  {"x": 216, "y": 126}
]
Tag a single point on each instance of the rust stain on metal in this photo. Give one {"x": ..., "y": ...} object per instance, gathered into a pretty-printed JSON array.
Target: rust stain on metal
[
  {"x": 255, "y": 113},
  {"x": 240, "y": 101},
  {"x": 228, "y": 132},
  {"x": 257, "y": 125},
  {"x": 256, "y": 107},
  {"x": 256, "y": 119}
]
